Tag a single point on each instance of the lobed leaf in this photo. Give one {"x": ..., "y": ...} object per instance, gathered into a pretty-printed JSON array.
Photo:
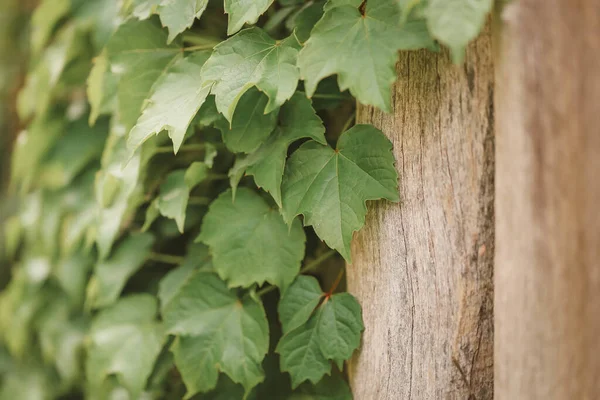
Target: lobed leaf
[
  {"x": 252, "y": 58},
  {"x": 216, "y": 331},
  {"x": 125, "y": 340},
  {"x": 250, "y": 243},
  {"x": 175, "y": 98},
  {"x": 330, "y": 187},
  {"x": 361, "y": 49},
  {"x": 298, "y": 120}
]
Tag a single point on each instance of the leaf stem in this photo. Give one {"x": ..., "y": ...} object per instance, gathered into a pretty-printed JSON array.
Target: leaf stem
[
  {"x": 329, "y": 96},
  {"x": 187, "y": 147},
  {"x": 307, "y": 268},
  {"x": 165, "y": 258},
  {"x": 197, "y": 39},
  {"x": 317, "y": 261},
  {"x": 199, "y": 47},
  {"x": 349, "y": 122},
  {"x": 217, "y": 177},
  {"x": 335, "y": 283},
  {"x": 199, "y": 201}
]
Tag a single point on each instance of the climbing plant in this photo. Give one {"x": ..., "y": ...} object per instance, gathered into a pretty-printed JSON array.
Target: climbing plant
[{"x": 190, "y": 179}]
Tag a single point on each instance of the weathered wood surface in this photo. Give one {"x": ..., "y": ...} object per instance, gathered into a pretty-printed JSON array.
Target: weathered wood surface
[
  {"x": 547, "y": 293},
  {"x": 423, "y": 269}
]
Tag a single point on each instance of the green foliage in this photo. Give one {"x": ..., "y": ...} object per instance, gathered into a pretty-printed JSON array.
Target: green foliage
[
  {"x": 216, "y": 330},
  {"x": 317, "y": 327},
  {"x": 147, "y": 265}
]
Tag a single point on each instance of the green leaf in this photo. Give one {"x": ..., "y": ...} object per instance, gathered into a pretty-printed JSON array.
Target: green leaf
[
  {"x": 340, "y": 327},
  {"x": 101, "y": 88},
  {"x": 40, "y": 85},
  {"x": 252, "y": 58},
  {"x": 175, "y": 191},
  {"x": 152, "y": 212},
  {"x": 78, "y": 225},
  {"x": 297, "y": 120},
  {"x": 330, "y": 187},
  {"x": 301, "y": 354},
  {"x": 45, "y": 18},
  {"x": 175, "y": 98},
  {"x": 226, "y": 390},
  {"x": 329, "y": 388},
  {"x": 12, "y": 232},
  {"x": 125, "y": 340},
  {"x": 298, "y": 302},
  {"x": 111, "y": 275},
  {"x": 139, "y": 46},
  {"x": 249, "y": 241},
  {"x": 119, "y": 186},
  {"x": 100, "y": 16},
  {"x": 456, "y": 22},
  {"x": 361, "y": 50},
  {"x": 116, "y": 186},
  {"x": 79, "y": 146},
  {"x": 216, "y": 331},
  {"x": 179, "y": 15},
  {"x": 250, "y": 125},
  {"x": 197, "y": 258},
  {"x": 140, "y": 9},
  {"x": 31, "y": 146},
  {"x": 303, "y": 21},
  {"x": 72, "y": 275},
  {"x": 331, "y": 332},
  {"x": 244, "y": 12}
]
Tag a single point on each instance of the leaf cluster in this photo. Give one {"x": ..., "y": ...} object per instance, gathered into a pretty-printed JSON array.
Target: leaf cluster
[{"x": 186, "y": 168}]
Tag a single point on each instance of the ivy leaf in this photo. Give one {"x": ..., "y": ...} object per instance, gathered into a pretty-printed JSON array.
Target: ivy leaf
[
  {"x": 298, "y": 120},
  {"x": 175, "y": 98},
  {"x": 249, "y": 241},
  {"x": 301, "y": 354},
  {"x": 313, "y": 333},
  {"x": 72, "y": 274},
  {"x": 244, "y": 12},
  {"x": 111, "y": 275},
  {"x": 197, "y": 258},
  {"x": 139, "y": 46},
  {"x": 305, "y": 19},
  {"x": 330, "y": 187},
  {"x": 340, "y": 327},
  {"x": 329, "y": 388},
  {"x": 101, "y": 88},
  {"x": 78, "y": 228},
  {"x": 43, "y": 21},
  {"x": 125, "y": 340},
  {"x": 31, "y": 146},
  {"x": 175, "y": 192},
  {"x": 456, "y": 22},
  {"x": 250, "y": 125},
  {"x": 298, "y": 302},
  {"x": 41, "y": 82},
  {"x": 77, "y": 148},
  {"x": 216, "y": 331},
  {"x": 252, "y": 58},
  {"x": 179, "y": 15},
  {"x": 116, "y": 188},
  {"x": 361, "y": 49},
  {"x": 152, "y": 212}
]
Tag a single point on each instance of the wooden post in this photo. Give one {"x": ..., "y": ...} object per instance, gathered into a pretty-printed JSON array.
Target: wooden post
[
  {"x": 547, "y": 293},
  {"x": 423, "y": 269}
]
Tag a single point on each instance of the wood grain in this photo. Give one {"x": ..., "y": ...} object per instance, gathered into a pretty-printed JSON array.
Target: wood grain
[
  {"x": 547, "y": 294},
  {"x": 423, "y": 269}
]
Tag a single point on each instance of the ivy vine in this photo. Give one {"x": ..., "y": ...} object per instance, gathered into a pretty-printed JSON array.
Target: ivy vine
[{"x": 189, "y": 177}]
